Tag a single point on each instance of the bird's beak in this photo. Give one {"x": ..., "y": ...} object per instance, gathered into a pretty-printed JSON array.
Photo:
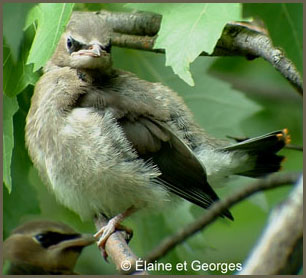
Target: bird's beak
[
  {"x": 82, "y": 241},
  {"x": 94, "y": 50}
]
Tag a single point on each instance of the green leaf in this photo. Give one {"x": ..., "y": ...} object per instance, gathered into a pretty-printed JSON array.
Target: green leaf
[
  {"x": 285, "y": 25},
  {"x": 10, "y": 107},
  {"x": 51, "y": 19},
  {"x": 17, "y": 75},
  {"x": 14, "y": 15},
  {"x": 189, "y": 29}
]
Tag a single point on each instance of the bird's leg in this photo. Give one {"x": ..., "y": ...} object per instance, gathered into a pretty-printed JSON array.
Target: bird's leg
[{"x": 115, "y": 223}]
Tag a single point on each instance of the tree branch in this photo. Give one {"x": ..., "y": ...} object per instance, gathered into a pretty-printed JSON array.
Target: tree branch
[
  {"x": 294, "y": 147},
  {"x": 280, "y": 248},
  {"x": 133, "y": 23},
  {"x": 272, "y": 181},
  {"x": 250, "y": 42},
  {"x": 138, "y": 31},
  {"x": 116, "y": 247}
]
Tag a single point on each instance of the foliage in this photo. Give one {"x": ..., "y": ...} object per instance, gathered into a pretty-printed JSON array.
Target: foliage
[
  {"x": 10, "y": 108},
  {"x": 51, "y": 19},
  {"x": 192, "y": 21},
  {"x": 231, "y": 96},
  {"x": 13, "y": 19},
  {"x": 17, "y": 75}
]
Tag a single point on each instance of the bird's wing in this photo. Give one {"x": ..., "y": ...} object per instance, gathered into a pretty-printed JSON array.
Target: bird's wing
[{"x": 181, "y": 171}]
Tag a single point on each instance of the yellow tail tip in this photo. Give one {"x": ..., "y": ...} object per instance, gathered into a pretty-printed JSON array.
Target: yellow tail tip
[{"x": 284, "y": 136}]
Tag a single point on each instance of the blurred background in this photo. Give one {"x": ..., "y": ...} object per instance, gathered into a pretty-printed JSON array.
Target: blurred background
[{"x": 232, "y": 96}]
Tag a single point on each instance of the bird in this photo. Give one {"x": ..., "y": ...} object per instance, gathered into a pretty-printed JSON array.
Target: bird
[
  {"x": 44, "y": 247},
  {"x": 107, "y": 142}
]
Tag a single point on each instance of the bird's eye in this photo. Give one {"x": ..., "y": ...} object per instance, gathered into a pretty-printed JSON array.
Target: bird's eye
[
  {"x": 69, "y": 43},
  {"x": 51, "y": 238},
  {"x": 73, "y": 45},
  {"x": 40, "y": 237}
]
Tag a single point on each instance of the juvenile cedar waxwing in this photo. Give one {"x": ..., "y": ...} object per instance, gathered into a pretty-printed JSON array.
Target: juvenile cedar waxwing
[
  {"x": 108, "y": 142},
  {"x": 44, "y": 247}
]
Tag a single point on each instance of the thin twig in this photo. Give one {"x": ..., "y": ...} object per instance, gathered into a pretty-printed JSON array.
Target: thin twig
[
  {"x": 138, "y": 31},
  {"x": 257, "y": 44},
  {"x": 216, "y": 209},
  {"x": 294, "y": 147}
]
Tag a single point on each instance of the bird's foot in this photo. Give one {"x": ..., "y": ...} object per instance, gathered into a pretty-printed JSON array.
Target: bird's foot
[
  {"x": 104, "y": 233},
  {"x": 113, "y": 224}
]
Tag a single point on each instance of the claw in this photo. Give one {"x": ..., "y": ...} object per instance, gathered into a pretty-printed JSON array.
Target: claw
[
  {"x": 104, "y": 233},
  {"x": 113, "y": 224}
]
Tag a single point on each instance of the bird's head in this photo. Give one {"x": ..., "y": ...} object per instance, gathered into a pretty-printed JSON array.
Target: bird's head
[
  {"x": 51, "y": 247},
  {"x": 85, "y": 44}
]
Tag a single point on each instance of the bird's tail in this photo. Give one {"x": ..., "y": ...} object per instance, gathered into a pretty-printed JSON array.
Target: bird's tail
[{"x": 261, "y": 151}]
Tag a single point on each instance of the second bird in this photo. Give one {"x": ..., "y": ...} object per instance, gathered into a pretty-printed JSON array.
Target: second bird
[{"x": 44, "y": 247}]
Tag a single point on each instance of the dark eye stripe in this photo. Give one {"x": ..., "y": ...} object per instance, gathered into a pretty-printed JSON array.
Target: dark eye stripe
[
  {"x": 108, "y": 47},
  {"x": 51, "y": 238}
]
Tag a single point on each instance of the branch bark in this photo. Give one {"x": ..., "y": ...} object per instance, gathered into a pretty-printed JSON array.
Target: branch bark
[
  {"x": 280, "y": 248},
  {"x": 245, "y": 40},
  {"x": 216, "y": 209},
  {"x": 137, "y": 23},
  {"x": 119, "y": 251},
  {"x": 139, "y": 30}
]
